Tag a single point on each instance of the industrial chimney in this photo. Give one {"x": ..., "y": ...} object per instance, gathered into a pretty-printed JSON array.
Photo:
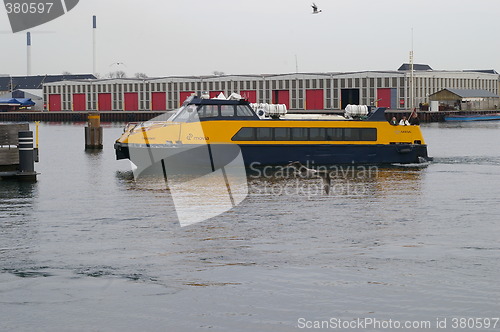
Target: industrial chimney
[
  {"x": 28, "y": 53},
  {"x": 94, "y": 51}
]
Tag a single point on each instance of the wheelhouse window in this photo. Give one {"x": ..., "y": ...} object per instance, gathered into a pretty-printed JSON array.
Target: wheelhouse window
[
  {"x": 242, "y": 110},
  {"x": 227, "y": 110},
  {"x": 208, "y": 111}
]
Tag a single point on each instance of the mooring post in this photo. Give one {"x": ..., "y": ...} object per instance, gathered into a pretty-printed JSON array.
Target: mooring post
[
  {"x": 35, "y": 150},
  {"x": 26, "y": 156},
  {"x": 93, "y": 132}
]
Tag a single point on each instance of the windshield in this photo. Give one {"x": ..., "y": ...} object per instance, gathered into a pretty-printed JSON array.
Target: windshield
[
  {"x": 193, "y": 113},
  {"x": 184, "y": 114}
]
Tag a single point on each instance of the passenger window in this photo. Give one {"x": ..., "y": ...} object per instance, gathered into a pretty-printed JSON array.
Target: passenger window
[
  {"x": 282, "y": 134},
  {"x": 264, "y": 134},
  {"x": 299, "y": 134},
  {"x": 318, "y": 134},
  {"x": 334, "y": 134},
  {"x": 245, "y": 134},
  {"x": 369, "y": 134},
  {"x": 351, "y": 134}
]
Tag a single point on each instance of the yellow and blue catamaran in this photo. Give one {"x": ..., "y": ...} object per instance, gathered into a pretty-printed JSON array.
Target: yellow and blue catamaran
[{"x": 268, "y": 135}]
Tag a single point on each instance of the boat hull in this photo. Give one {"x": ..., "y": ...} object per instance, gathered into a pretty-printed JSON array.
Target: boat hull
[{"x": 183, "y": 156}]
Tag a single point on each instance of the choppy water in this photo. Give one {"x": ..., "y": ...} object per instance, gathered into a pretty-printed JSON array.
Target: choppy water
[{"x": 89, "y": 249}]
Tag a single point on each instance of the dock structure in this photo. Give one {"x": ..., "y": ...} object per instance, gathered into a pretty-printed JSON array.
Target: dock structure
[
  {"x": 120, "y": 116},
  {"x": 77, "y": 116},
  {"x": 17, "y": 153}
]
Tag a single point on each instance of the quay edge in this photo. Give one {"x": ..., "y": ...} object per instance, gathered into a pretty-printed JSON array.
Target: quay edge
[{"x": 137, "y": 116}]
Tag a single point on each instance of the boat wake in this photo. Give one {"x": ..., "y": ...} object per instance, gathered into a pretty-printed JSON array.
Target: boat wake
[
  {"x": 469, "y": 160},
  {"x": 421, "y": 164}
]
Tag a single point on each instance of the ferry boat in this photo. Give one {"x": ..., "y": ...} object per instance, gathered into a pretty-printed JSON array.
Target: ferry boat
[{"x": 269, "y": 135}]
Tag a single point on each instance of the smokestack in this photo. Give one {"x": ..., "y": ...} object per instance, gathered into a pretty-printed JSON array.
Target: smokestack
[
  {"x": 94, "y": 57},
  {"x": 28, "y": 53}
]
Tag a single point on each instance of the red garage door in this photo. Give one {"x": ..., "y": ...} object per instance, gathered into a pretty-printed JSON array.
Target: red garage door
[
  {"x": 55, "y": 103},
  {"x": 314, "y": 99},
  {"x": 79, "y": 102},
  {"x": 131, "y": 101},
  {"x": 249, "y": 95},
  {"x": 281, "y": 97},
  {"x": 104, "y": 102},
  {"x": 384, "y": 97},
  {"x": 183, "y": 95},
  {"x": 159, "y": 101}
]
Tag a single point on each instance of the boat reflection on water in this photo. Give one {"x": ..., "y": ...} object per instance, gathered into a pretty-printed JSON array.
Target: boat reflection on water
[
  {"x": 196, "y": 199},
  {"x": 348, "y": 181}
]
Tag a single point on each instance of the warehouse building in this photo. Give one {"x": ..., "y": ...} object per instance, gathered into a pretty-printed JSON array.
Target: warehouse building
[
  {"x": 32, "y": 86},
  {"x": 299, "y": 91},
  {"x": 466, "y": 100}
]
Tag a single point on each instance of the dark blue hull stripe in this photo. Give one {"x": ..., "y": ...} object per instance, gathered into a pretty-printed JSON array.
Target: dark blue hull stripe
[
  {"x": 333, "y": 154},
  {"x": 283, "y": 154}
]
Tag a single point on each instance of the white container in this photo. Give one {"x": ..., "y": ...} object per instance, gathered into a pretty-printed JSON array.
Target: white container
[{"x": 434, "y": 106}]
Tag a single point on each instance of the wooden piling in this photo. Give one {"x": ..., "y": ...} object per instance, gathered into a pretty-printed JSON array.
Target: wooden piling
[
  {"x": 9, "y": 154},
  {"x": 93, "y": 132}
]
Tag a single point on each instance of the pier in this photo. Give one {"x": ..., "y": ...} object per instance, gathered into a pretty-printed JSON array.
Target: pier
[
  {"x": 17, "y": 153},
  {"x": 108, "y": 116}
]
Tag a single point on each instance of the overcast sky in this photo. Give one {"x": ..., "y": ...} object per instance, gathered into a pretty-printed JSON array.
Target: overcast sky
[{"x": 194, "y": 37}]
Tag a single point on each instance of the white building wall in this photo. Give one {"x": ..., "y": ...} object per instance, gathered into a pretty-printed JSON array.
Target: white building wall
[{"x": 426, "y": 83}]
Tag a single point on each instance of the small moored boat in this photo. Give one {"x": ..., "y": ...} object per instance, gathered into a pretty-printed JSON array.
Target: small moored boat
[{"x": 473, "y": 117}]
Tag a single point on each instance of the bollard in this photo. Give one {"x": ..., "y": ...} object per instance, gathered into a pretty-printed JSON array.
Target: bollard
[
  {"x": 35, "y": 150},
  {"x": 93, "y": 132},
  {"x": 26, "y": 156}
]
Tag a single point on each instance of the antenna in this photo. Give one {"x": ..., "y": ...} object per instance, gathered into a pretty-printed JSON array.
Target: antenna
[
  {"x": 94, "y": 51},
  {"x": 412, "y": 75},
  {"x": 28, "y": 53}
]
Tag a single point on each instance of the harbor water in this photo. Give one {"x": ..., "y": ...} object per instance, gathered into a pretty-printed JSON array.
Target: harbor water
[{"x": 88, "y": 248}]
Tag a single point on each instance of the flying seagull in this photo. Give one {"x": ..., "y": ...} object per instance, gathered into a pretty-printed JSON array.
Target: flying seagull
[
  {"x": 118, "y": 64},
  {"x": 315, "y": 9}
]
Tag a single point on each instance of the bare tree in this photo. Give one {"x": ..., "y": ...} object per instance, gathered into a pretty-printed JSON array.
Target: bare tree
[
  {"x": 66, "y": 73},
  {"x": 117, "y": 74},
  {"x": 140, "y": 75},
  {"x": 218, "y": 73}
]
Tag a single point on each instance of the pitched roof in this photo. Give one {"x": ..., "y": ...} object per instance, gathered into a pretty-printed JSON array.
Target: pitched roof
[
  {"x": 36, "y": 82},
  {"x": 416, "y": 66},
  {"x": 471, "y": 93}
]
